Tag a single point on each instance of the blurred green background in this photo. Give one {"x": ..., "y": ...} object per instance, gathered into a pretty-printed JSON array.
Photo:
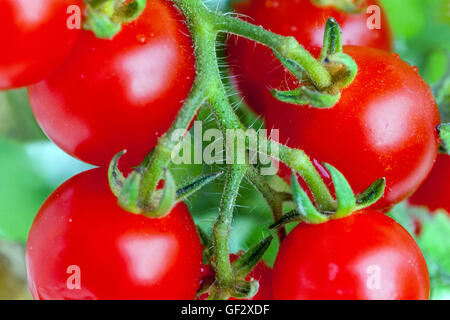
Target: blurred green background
[{"x": 31, "y": 166}]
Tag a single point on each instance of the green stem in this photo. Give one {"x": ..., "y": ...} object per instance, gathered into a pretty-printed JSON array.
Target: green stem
[
  {"x": 163, "y": 151},
  {"x": 300, "y": 162},
  {"x": 287, "y": 47},
  {"x": 204, "y": 43},
  {"x": 221, "y": 231}
]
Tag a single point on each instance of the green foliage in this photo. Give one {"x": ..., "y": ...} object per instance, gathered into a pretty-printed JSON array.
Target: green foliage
[
  {"x": 434, "y": 241},
  {"x": 29, "y": 173}
]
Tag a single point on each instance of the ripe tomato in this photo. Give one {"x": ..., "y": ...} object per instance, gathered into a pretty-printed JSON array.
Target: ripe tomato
[
  {"x": 81, "y": 233},
  {"x": 119, "y": 94},
  {"x": 306, "y": 22},
  {"x": 262, "y": 273},
  {"x": 362, "y": 257},
  {"x": 434, "y": 192},
  {"x": 35, "y": 39},
  {"x": 383, "y": 126}
]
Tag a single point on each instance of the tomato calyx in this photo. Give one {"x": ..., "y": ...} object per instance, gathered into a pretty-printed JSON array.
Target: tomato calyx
[
  {"x": 346, "y": 201},
  {"x": 341, "y": 67},
  {"x": 238, "y": 287},
  {"x": 349, "y": 6},
  {"x": 127, "y": 189},
  {"x": 105, "y": 17}
]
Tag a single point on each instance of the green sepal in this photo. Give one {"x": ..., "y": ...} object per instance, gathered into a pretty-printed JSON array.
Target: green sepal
[
  {"x": 371, "y": 194},
  {"x": 115, "y": 176},
  {"x": 205, "y": 285},
  {"x": 129, "y": 194},
  {"x": 344, "y": 76},
  {"x": 248, "y": 261},
  {"x": 105, "y": 17},
  {"x": 293, "y": 216},
  {"x": 165, "y": 198},
  {"x": 305, "y": 96},
  {"x": 101, "y": 24},
  {"x": 332, "y": 40},
  {"x": 345, "y": 197},
  {"x": 444, "y": 132},
  {"x": 242, "y": 289},
  {"x": 304, "y": 205},
  {"x": 130, "y": 11},
  {"x": 193, "y": 186}
]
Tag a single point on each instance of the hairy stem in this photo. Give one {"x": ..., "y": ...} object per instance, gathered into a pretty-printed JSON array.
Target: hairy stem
[
  {"x": 287, "y": 47},
  {"x": 222, "y": 227}
]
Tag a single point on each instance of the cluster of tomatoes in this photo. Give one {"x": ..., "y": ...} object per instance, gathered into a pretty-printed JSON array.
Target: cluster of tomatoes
[{"x": 95, "y": 97}]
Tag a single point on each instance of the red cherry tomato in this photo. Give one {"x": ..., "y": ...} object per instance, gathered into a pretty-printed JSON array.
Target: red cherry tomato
[
  {"x": 81, "y": 233},
  {"x": 35, "y": 39},
  {"x": 262, "y": 273},
  {"x": 434, "y": 192},
  {"x": 365, "y": 256},
  {"x": 383, "y": 126},
  {"x": 119, "y": 94},
  {"x": 306, "y": 22}
]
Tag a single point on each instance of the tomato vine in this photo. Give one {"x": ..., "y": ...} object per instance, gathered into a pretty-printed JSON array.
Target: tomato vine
[{"x": 139, "y": 192}]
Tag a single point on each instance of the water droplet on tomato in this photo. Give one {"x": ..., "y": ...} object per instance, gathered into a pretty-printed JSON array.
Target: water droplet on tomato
[{"x": 141, "y": 38}]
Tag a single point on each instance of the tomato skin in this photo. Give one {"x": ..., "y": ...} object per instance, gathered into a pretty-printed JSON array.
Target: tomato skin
[
  {"x": 119, "y": 94},
  {"x": 304, "y": 21},
  {"x": 434, "y": 192},
  {"x": 336, "y": 260},
  {"x": 35, "y": 39},
  {"x": 120, "y": 255},
  {"x": 262, "y": 273},
  {"x": 383, "y": 126}
]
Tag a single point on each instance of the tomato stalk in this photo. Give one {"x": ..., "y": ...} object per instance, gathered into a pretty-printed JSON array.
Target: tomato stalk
[
  {"x": 287, "y": 47},
  {"x": 221, "y": 232}
]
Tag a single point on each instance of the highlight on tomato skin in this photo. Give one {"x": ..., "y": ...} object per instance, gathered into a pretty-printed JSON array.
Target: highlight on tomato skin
[
  {"x": 118, "y": 94},
  {"x": 35, "y": 39},
  {"x": 304, "y": 21},
  {"x": 367, "y": 256},
  {"x": 381, "y": 127},
  {"x": 433, "y": 194},
  {"x": 81, "y": 239}
]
